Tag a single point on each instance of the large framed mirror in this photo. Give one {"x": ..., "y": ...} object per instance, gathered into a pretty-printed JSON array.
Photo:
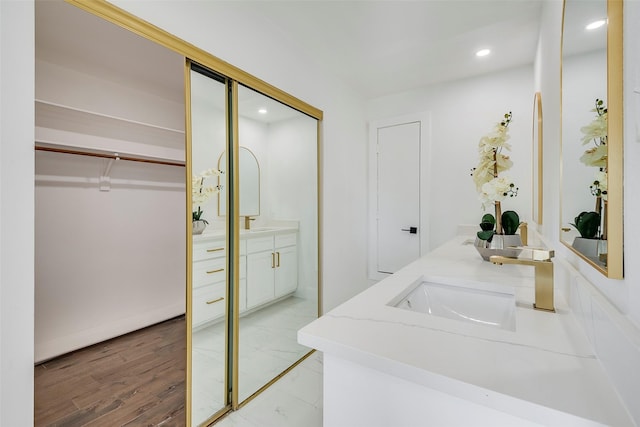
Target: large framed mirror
[{"x": 591, "y": 171}]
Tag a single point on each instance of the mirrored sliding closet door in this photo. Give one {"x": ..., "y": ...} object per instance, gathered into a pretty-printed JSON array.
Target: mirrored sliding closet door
[
  {"x": 208, "y": 296},
  {"x": 278, "y": 237},
  {"x": 254, "y": 240}
]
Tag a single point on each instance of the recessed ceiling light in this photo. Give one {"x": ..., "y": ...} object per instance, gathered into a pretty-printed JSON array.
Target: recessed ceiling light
[
  {"x": 596, "y": 24},
  {"x": 483, "y": 52},
  {"x": 262, "y": 111}
]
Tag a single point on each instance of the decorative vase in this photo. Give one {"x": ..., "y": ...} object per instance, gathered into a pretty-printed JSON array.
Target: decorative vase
[
  {"x": 198, "y": 226},
  {"x": 500, "y": 244}
]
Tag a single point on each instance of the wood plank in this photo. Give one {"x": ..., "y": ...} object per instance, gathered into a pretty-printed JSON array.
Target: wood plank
[{"x": 137, "y": 379}]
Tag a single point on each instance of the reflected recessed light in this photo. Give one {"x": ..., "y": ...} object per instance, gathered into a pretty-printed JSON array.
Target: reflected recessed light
[
  {"x": 596, "y": 24},
  {"x": 483, "y": 52},
  {"x": 262, "y": 111}
]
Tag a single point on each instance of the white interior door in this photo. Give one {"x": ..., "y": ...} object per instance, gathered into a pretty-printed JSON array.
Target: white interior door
[{"x": 398, "y": 195}]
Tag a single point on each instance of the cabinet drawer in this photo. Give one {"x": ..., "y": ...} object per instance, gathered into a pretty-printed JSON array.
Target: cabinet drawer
[
  {"x": 209, "y": 271},
  {"x": 209, "y": 303},
  {"x": 259, "y": 244},
  {"x": 286, "y": 240},
  {"x": 209, "y": 249}
]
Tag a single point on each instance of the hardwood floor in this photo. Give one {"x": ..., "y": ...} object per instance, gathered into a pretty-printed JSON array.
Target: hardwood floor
[{"x": 134, "y": 380}]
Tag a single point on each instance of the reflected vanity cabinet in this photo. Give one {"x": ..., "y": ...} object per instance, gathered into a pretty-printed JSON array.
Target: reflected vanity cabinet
[
  {"x": 272, "y": 268},
  {"x": 268, "y": 271},
  {"x": 209, "y": 274}
]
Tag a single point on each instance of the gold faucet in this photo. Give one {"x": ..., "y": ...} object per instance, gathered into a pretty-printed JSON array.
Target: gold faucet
[
  {"x": 247, "y": 222},
  {"x": 543, "y": 277},
  {"x": 524, "y": 235}
]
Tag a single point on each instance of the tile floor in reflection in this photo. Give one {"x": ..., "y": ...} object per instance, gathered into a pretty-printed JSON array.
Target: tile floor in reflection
[
  {"x": 294, "y": 400},
  {"x": 268, "y": 346}
]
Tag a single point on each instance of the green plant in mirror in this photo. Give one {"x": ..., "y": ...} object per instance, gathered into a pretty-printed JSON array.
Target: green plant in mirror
[
  {"x": 198, "y": 214},
  {"x": 587, "y": 224}
]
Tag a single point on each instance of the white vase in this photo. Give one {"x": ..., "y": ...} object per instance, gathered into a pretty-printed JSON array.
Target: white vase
[
  {"x": 198, "y": 226},
  {"x": 500, "y": 244}
]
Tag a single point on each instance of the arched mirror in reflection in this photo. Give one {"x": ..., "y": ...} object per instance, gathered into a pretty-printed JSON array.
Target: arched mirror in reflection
[
  {"x": 591, "y": 202},
  {"x": 249, "y": 184}
]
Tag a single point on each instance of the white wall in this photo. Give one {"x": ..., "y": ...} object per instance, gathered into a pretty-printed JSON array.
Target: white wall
[
  {"x": 631, "y": 154},
  {"x": 16, "y": 212},
  {"x": 609, "y": 310},
  {"x": 461, "y": 113},
  {"x": 291, "y": 191},
  {"x": 230, "y": 31},
  {"x": 106, "y": 262}
]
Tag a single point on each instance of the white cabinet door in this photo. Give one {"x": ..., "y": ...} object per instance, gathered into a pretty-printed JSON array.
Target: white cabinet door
[
  {"x": 286, "y": 280},
  {"x": 260, "y": 278}
]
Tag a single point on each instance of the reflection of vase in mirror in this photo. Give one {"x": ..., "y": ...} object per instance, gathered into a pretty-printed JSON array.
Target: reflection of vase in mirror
[{"x": 198, "y": 226}]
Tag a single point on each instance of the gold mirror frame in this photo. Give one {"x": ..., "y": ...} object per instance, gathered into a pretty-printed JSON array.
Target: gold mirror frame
[
  {"x": 614, "y": 215},
  {"x": 536, "y": 155}
]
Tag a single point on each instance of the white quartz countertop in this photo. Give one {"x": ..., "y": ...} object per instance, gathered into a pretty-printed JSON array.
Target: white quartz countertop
[{"x": 544, "y": 371}]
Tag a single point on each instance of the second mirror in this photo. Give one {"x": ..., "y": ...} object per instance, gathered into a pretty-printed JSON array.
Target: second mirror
[{"x": 280, "y": 239}]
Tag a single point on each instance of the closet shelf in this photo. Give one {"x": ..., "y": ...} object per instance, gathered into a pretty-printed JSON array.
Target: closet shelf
[{"x": 68, "y": 128}]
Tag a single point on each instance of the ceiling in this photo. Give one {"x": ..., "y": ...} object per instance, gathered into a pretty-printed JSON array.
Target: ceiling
[
  {"x": 385, "y": 47},
  {"x": 375, "y": 47}
]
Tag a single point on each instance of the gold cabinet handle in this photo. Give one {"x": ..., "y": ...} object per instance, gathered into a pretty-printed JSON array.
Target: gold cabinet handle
[
  {"x": 215, "y": 271},
  {"x": 278, "y": 257},
  {"x": 273, "y": 260},
  {"x": 566, "y": 229},
  {"x": 213, "y": 301},
  {"x": 215, "y": 250}
]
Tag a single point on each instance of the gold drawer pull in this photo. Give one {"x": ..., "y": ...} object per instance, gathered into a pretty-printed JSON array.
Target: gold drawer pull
[
  {"x": 215, "y": 250},
  {"x": 278, "y": 258},
  {"x": 273, "y": 260},
  {"x": 215, "y": 271},
  {"x": 213, "y": 301}
]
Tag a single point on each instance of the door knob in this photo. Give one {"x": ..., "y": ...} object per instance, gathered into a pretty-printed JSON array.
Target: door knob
[{"x": 411, "y": 230}]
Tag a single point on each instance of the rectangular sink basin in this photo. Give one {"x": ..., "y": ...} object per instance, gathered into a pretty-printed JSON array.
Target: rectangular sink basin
[{"x": 477, "y": 305}]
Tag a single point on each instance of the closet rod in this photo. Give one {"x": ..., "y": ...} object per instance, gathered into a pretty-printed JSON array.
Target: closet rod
[{"x": 108, "y": 156}]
